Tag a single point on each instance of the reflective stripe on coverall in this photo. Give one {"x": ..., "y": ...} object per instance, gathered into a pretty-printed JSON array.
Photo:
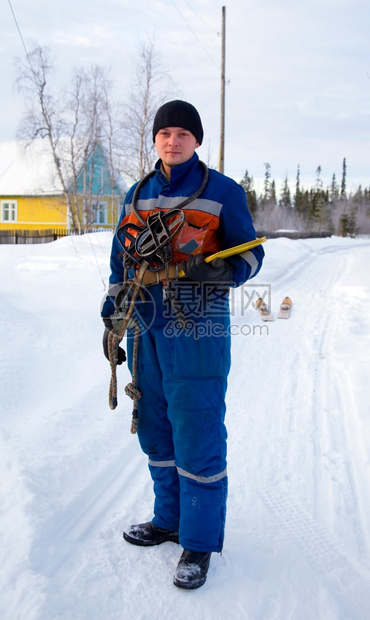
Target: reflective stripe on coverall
[{"x": 182, "y": 377}]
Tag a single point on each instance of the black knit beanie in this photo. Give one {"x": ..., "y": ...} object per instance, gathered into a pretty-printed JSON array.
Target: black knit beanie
[{"x": 178, "y": 114}]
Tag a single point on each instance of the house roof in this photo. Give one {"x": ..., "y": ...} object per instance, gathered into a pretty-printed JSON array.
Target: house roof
[{"x": 28, "y": 169}]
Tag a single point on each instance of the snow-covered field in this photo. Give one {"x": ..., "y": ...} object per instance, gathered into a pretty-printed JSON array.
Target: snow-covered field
[{"x": 72, "y": 476}]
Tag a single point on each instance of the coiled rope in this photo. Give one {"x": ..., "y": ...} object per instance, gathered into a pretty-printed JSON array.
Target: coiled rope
[
  {"x": 131, "y": 390},
  {"x": 114, "y": 340}
]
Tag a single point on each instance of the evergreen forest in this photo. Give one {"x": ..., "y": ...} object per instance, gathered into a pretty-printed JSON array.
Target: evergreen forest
[{"x": 320, "y": 210}]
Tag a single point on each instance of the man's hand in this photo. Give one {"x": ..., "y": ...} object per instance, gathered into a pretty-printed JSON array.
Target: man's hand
[
  {"x": 198, "y": 270},
  {"x": 108, "y": 328}
]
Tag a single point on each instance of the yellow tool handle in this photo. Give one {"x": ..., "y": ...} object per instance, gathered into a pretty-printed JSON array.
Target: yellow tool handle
[{"x": 237, "y": 249}]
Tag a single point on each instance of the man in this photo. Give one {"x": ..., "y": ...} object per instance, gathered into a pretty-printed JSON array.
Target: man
[{"x": 183, "y": 355}]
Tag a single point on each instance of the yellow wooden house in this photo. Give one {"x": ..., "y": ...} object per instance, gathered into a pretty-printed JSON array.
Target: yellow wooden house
[{"x": 32, "y": 196}]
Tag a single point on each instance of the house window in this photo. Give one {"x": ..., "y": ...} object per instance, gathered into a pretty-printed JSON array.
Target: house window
[
  {"x": 8, "y": 210},
  {"x": 101, "y": 213}
]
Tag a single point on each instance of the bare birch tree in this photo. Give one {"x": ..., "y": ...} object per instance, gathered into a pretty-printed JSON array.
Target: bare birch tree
[
  {"x": 42, "y": 117},
  {"x": 90, "y": 126},
  {"x": 73, "y": 123},
  {"x": 112, "y": 112},
  {"x": 151, "y": 86}
]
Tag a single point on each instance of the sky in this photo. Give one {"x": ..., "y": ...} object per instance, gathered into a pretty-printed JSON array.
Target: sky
[{"x": 297, "y": 73}]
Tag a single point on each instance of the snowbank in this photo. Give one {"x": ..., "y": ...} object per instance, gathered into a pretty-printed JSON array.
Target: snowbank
[{"x": 72, "y": 475}]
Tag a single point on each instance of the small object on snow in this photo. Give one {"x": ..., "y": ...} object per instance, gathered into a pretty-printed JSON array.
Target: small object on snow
[
  {"x": 264, "y": 310},
  {"x": 285, "y": 308},
  {"x": 192, "y": 569}
]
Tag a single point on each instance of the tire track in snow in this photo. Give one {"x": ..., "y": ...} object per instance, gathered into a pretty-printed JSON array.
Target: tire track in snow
[
  {"x": 333, "y": 400},
  {"x": 298, "y": 268},
  {"x": 326, "y": 415},
  {"x": 336, "y": 452},
  {"x": 348, "y": 584},
  {"x": 63, "y": 537},
  {"x": 333, "y": 404}
]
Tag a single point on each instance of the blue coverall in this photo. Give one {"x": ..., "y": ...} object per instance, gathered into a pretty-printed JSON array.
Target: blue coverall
[{"x": 183, "y": 366}]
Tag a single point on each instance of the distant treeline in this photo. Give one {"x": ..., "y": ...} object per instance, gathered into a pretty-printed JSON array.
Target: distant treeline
[{"x": 316, "y": 209}]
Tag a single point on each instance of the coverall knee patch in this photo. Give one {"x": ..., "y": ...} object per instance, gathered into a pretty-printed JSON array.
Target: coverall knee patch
[{"x": 200, "y": 442}]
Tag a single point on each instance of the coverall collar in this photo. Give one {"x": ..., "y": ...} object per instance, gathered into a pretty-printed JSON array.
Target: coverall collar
[{"x": 181, "y": 174}]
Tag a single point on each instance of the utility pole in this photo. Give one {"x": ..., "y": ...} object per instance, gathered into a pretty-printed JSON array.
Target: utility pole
[{"x": 222, "y": 132}]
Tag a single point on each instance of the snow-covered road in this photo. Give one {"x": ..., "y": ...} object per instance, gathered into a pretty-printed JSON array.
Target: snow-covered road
[{"x": 72, "y": 476}]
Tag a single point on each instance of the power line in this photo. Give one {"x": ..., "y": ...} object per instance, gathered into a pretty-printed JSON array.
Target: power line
[
  {"x": 20, "y": 34},
  {"x": 199, "y": 17},
  {"x": 193, "y": 33}
]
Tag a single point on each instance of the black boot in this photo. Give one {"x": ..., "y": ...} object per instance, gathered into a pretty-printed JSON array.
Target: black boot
[
  {"x": 148, "y": 535},
  {"x": 191, "y": 571}
]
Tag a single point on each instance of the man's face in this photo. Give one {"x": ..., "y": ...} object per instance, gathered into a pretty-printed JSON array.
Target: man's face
[{"x": 175, "y": 145}]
